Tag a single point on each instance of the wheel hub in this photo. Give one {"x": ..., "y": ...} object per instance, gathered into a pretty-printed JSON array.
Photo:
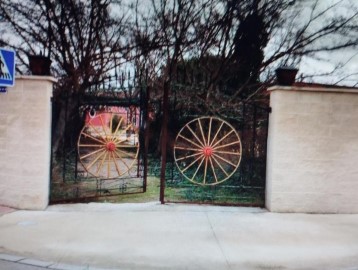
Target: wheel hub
[
  {"x": 111, "y": 146},
  {"x": 208, "y": 151}
]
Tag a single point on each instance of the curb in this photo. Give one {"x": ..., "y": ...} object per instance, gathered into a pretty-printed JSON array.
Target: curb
[{"x": 47, "y": 265}]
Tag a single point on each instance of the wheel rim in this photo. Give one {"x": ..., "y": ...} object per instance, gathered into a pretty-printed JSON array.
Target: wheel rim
[
  {"x": 108, "y": 146},
  {"x": 207, "y": 151}
]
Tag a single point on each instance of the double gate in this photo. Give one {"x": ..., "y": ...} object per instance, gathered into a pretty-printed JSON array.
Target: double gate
[{"x": 212, "y": 159}]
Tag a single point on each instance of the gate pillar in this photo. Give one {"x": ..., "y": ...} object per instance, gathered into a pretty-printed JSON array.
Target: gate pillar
[
  {"x": 25, "y": 143},
  {"x": 312, "y": 151}
]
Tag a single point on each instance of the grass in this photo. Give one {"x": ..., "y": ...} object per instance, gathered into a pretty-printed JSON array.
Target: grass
[
  {"x": 177, "y": 190},
  {"x": 151, "y": 195},
  {"x": 181, "y": 193}
]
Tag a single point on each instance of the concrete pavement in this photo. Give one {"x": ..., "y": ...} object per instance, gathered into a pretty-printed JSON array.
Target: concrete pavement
[
  {"x": 7, "y": 265},
  {"x": 174, "y": 236}
]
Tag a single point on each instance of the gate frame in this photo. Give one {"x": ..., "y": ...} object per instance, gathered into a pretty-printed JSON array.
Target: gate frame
[
  {"x": 140, "y": 100},
  {"x": 164, "y": 158}
]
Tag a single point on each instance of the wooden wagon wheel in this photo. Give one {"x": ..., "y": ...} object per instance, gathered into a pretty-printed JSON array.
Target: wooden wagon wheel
[
  {"x": 207, "y": 151},
  {"x": 108, "y": 146}
]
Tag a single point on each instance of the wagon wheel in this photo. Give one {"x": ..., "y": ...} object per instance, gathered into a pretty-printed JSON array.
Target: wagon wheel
[
  {"x": 207, "y": 151},
  {"x": 108, "y": 146}
]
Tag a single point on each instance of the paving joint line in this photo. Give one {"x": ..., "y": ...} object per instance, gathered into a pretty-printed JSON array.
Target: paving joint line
[
  {"x": 217, "y": 240},
  {"x": 49, "y": 265}
]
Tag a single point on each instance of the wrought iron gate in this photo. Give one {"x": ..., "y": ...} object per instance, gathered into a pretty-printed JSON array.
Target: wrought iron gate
[
  {"x": 103, "y": 152},
  {"x": 220, "y": 160}
]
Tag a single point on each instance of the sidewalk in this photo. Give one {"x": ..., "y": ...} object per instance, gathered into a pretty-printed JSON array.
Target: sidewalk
[{"x": 174, "y": 236}]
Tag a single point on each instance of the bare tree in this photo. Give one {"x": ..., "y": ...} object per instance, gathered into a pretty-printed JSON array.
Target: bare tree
[
  {"x": 82, "y": 38},
  {"x": 219, "y": 54},
  {"x": 245, "y": 40},
  {"x": 234, "y": 45}
]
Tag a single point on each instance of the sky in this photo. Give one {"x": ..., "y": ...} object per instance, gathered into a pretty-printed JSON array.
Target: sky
[
  {"x": 325, "y": 63},
  {"x": 346, "y": 75}
]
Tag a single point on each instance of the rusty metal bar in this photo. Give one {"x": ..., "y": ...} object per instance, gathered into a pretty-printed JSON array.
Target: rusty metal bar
[
  {"x": 146, "y": 134},
  {"x": 164, "y": 140}
]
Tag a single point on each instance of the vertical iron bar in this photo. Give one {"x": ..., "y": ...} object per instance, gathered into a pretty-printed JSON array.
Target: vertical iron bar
[
  {"x": 253, "y": 143},
  {"x": 267, "y": 111},
  {"x": 140, "y": 124},
  {"x": 76, "y": 130},
  {"x": 243, "y": 144},
  {"x": 64, "y": 142},
  {"x": 146, "y": 131},
  {"x": 164, "y": 140}
]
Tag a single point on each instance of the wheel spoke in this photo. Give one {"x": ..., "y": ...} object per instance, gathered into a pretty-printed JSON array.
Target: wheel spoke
[
  {"x": 92, "y": 153},
  {"x": 201, "y": 131},
  {"x": 93, "y": 138},
  {"x": 201, "y": 162},
  {"x": 90, "y": 145},
  {"x": 228, "y": 152},
  {"x": 118, "y": 125},
  {"x": 127, "y": 153},
  {"x": 185, "y": 138},
  {"x": 96, "y": 130},
  {"x": 115, "y": 164},
  {"x": 95, "y": 160},
  {"x": 125, "y": 164},
  {"x": 225, "y": 145},
  {"x": 116, "y": 138},
  {"x": 205, "y": 170},
  {"x": 218, "y": 163},
  {"x": 109, "y": 165},
  {"x": 209, "y": 131},
  {"x": 213, "y": 169},
  {"x": 223, "y": 138},
  {"x": 101, "y": 164},
  {"x": 127, "y": 146},
  {"x": 187, "y": 148},
  {"x": 224, "y": 159},
  {"x": 197, "y": 138},
  {"x": 217, "y": 133},
  {"x": 191, "y": 164},
  {"x": 190, "y": 156}
]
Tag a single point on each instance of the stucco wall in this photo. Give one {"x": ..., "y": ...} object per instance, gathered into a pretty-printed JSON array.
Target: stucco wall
[
  {"x": 25, "y": 143},
  {"x": 312, "y": 159}
]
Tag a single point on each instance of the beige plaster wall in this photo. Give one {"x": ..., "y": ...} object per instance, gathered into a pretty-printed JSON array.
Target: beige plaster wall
[
  {"x": 312, "y": 159},
  {"x": 25, "y": 143}
]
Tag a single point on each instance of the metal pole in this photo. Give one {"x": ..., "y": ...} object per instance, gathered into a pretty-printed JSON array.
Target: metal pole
[
  {"x": 77, "y": 131},
  {"x": 252, "y": 165},
  {"x": 146, "y": 136},
  {"x": 64, "y": 142},
  {"x": 164, "y": 141}
]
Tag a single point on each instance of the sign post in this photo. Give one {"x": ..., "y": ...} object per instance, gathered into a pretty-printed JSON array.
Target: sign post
[{"x": 7, "y": 69}]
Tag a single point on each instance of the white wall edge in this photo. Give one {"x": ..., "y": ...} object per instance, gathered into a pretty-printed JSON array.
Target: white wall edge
[
  {"x": 36, "y": 78},
  {"x": 313, "y": 89}
]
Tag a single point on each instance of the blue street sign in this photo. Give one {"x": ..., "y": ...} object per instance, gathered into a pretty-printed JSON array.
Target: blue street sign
[{"x": 7, "y": 67}]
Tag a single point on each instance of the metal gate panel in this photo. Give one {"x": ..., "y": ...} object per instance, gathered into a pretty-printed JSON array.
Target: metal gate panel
[
  {"x": 79, "y": 174},
  {"x": 243, "y": 186}
]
